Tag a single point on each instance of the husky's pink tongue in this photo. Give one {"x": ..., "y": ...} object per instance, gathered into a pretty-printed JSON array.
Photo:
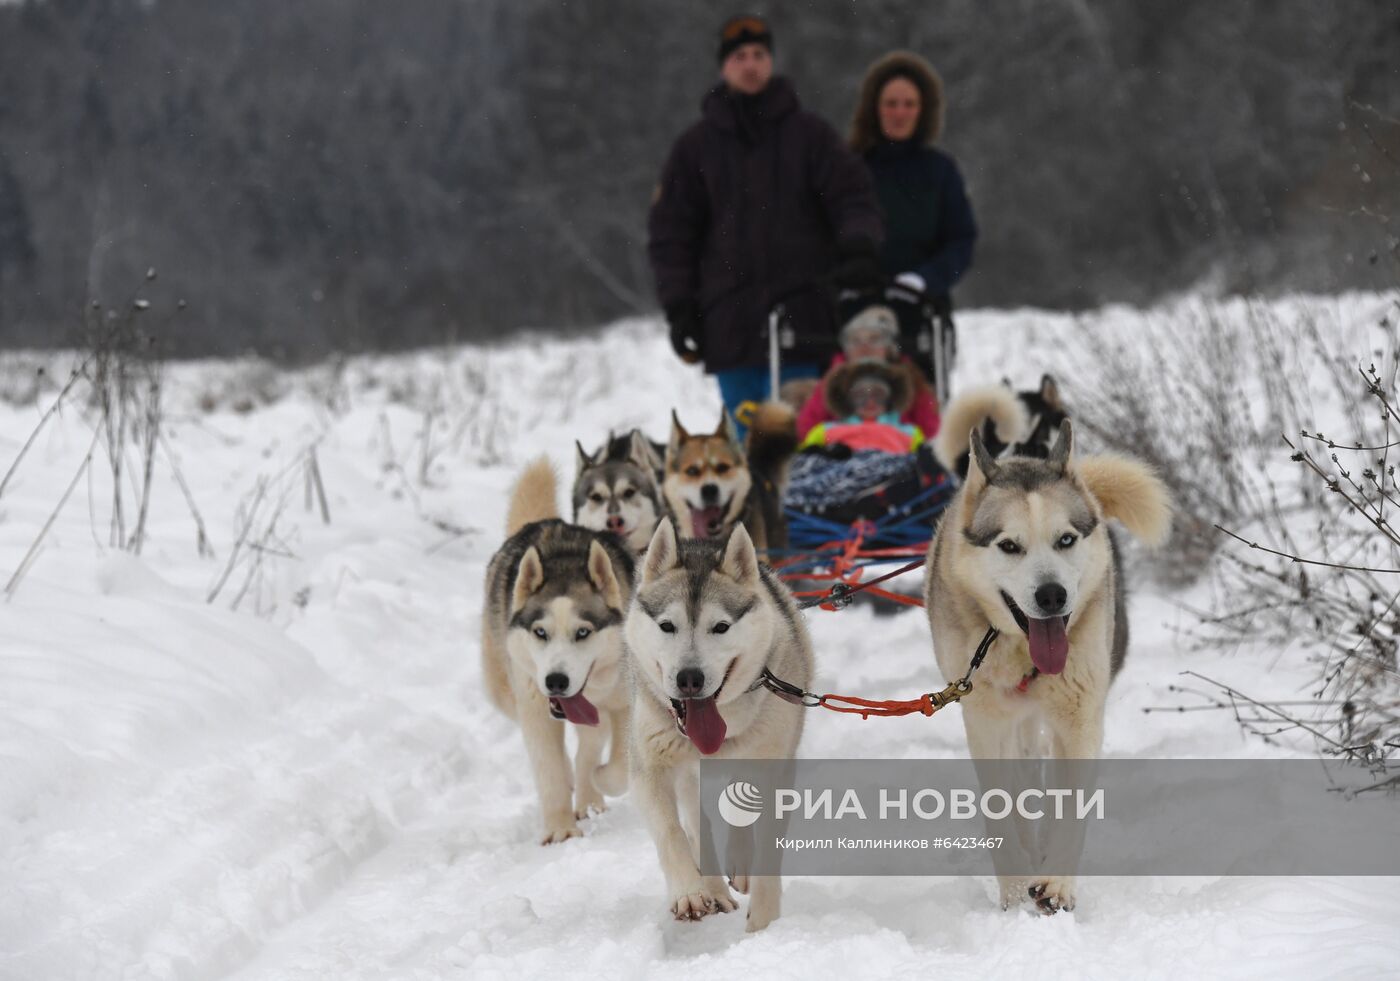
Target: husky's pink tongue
[
  {"x": 1049, "y": 644},
  {"x": 578, "y": 710},
  {"x": 704, "y": 725},
  {"x": 705, "y": 522}
]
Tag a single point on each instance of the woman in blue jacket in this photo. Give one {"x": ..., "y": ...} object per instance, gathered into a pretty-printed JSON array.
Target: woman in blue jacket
[{"x": 929, "y": 229}]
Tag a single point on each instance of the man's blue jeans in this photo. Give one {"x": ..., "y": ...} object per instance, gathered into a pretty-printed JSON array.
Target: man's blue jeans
[{"x": 750, "y": 384}]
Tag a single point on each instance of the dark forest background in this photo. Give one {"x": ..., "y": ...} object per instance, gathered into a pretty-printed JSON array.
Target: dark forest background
[{"x": 351, "y": 174}]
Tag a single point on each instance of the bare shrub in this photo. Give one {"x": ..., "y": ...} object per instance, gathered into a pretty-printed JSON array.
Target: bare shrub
[
  {"x": 1322, "y": 571},
  {"x": 1201, "y": 393},
  {"x": 242, "y": 386},
  {"x": 120, "y": 381},
  {"x": 262, "y": 536},
  {"x": 125, "y": 375}
]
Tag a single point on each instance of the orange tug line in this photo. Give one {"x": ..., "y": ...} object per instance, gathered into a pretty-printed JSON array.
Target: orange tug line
[
  {"x": 887, "y": 709},
  {"x": 844, "y": 570}
]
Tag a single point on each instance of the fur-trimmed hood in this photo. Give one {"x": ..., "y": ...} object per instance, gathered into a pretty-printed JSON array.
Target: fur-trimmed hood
[
  {"x": 865, "y": 123},
  {"x": 843, "y": 378}
]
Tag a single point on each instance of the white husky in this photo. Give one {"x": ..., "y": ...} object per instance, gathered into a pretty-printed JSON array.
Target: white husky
[{"x": 1025, "y": 548}]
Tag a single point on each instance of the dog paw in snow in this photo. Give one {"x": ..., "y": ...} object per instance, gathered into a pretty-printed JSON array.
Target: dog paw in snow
[
  {"x": 697, "y": 905},
  {"x": 1052, "y": 895},
  {"x": 562, "y": 832},
  {"x": 588, "y": 806}
]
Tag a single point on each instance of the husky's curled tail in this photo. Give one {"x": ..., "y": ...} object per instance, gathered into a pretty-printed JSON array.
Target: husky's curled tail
[
  {"x": 533, "y": 497},
  {"x": 994, "y": 404},
  {"x": 771, "y": 442},
  {"x": 1131, "y": 492}
]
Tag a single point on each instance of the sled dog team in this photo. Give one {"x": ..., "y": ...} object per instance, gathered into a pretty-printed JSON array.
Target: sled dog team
[{"x": 647, "y": 622}]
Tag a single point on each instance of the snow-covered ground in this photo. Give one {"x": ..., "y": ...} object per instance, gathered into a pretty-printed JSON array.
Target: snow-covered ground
[{"x": 311, "y": 785}]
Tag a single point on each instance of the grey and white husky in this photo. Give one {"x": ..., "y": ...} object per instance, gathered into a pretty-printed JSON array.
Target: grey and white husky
[
  {"x": 551, "y": 649},
  {"x": 617, "y": 489},
  {"x": 1025, "y": 547},
  {"x": 706, "y": 619}
]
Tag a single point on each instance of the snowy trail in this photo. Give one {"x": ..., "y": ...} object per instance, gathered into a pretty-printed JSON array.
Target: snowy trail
[
  {"x": 310, "y": 786},
  {"x": 487, "y": 900}
]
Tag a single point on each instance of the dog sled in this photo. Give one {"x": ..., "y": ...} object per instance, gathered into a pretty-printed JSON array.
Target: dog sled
[
  {"x": 846, "y": 539},
  {"x": 849, "y": 516}
]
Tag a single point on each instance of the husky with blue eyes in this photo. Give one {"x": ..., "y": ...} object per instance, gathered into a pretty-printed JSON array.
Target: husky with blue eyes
[
  {"x": 1025, "y": 549},
  {"x": 552, "y": 649}
]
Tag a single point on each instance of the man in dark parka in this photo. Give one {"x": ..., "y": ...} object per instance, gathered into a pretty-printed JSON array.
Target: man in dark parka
[{"x": 759, "y": 202}]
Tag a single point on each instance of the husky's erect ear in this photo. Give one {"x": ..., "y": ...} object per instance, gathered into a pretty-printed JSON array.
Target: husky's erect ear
[
  {"x": 584, "y": 460},
  {"x": 529, "y": 577},
  {"x": 678, "y": 436},
  {"x": 727, "y": 431},
  {"x": 600, "y": 574},
  {"x": 1050, "y": 392},
  {"x": 1063, "y": 449},
  {"x": 639, "y": 452},
  {"x": 1130, "y": 493},
  {"x": 740, "y": 560},
  {"x": 981, "y": 468},
  {"x": 663, "y": 554}
]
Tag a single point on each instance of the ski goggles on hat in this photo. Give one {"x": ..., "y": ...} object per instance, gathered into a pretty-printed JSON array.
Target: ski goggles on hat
[
  {"x": 739, "y": 26},
  {"x": 741, "y": 31}
]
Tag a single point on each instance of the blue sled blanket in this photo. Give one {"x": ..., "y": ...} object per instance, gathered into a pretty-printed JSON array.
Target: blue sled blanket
[{"x": 816, "y": 482}]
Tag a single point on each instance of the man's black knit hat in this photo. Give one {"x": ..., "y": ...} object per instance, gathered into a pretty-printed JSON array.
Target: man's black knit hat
[{"x": 744, "y": 29}]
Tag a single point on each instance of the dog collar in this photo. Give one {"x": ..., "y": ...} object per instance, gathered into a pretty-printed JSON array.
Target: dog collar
[{"x": 1026, "y": 680}]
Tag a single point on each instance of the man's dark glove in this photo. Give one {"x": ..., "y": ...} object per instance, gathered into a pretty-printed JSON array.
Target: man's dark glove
[
  {"x": 857, "y": 267},
  {"x": 684, "y": 318}
]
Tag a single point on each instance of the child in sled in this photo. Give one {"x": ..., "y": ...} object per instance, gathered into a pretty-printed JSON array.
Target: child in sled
[
  {"x": 866, "y": 402},
  {"x": 865, "y": 460},
  {"x": 873, "y": 334}
]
